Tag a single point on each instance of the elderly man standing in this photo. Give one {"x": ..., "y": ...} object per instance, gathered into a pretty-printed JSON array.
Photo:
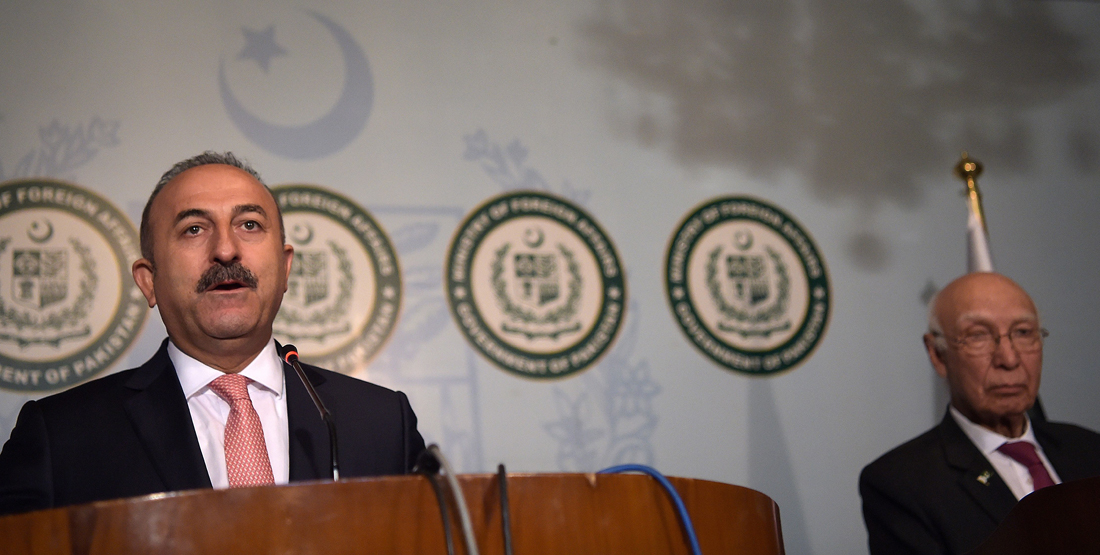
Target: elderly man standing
[
  {"x": 215, "y": 406},
  {"x": 948, "y": 489}
]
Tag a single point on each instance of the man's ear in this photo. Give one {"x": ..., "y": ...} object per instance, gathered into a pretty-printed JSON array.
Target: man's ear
[
  {"x": 934, "y": 355},
  {"x": 288, "y": 253},
  {"x": 143, "y": 277}
]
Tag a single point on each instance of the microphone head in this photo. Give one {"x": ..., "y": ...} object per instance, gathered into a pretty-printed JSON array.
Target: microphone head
[{"x": 290, "y": 352}]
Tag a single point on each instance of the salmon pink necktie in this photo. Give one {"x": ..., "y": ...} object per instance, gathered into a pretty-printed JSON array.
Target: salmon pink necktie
[{"x": 245, "y": 450}]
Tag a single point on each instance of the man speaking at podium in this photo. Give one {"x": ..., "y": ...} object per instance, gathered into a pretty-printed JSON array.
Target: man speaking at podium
[
  {"x": 216, "y": 406},
  {"x": 948, "y": 489}
]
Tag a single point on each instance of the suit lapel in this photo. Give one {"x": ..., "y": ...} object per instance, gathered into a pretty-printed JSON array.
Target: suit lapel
[
  {"x": 162, "y": 421},
  {"x": 1064, "y": 462},
  {"x": 977, "y": 477},
  {"x": 309, "y": 443}
]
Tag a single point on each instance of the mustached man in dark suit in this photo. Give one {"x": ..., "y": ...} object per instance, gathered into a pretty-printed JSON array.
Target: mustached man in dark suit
[
  {"x": 215, "y": 263},
  {"x": 946, "y": 490}
]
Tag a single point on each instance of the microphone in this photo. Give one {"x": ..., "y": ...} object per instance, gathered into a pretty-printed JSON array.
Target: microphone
[{"x": 290, "y": 355}]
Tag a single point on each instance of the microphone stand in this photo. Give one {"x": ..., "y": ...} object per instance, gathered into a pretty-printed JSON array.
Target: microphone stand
[{"x": 291, "y": 358}]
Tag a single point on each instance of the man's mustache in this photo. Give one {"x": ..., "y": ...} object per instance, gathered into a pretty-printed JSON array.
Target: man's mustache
[{"x": 220, "y": 273}]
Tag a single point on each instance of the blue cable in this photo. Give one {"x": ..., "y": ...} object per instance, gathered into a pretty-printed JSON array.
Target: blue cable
[{"x": 685, "y": 519}]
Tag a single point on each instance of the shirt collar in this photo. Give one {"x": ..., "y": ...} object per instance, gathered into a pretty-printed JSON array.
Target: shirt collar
[
  {"x": 987, "y": 441},
  {"x": 265, "y": 370}
]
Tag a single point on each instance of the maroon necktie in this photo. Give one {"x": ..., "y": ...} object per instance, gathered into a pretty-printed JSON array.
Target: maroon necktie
[
  {"x": 1024, "y": 453},
  {"x": 245, "y": 450}
]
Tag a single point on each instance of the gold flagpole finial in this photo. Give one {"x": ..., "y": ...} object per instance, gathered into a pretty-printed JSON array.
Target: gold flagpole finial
[{"x": 968, "y": 170}]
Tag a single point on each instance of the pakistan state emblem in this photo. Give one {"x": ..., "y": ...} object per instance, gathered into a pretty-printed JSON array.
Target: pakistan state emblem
[
  {"x": 533, "y": 289},
  {"x": 747, "y": 285},
  {"x": 69, "y": 307},
  {"x": 535, "y": 285},
  {"x": 344, "y": 289}
]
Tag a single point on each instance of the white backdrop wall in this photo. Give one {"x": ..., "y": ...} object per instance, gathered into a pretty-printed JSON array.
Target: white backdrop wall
[{"x": 848, "y": 115}]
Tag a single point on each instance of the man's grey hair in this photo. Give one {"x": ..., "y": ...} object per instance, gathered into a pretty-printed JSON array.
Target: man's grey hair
[
  {"x": 208, "y": 157},
  {"x": 935, "y": 327}
]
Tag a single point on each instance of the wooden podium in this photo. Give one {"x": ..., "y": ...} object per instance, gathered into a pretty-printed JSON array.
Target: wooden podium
[
  {"x": 1054, "y": 520},
  {"x": 550, "y": 513}
]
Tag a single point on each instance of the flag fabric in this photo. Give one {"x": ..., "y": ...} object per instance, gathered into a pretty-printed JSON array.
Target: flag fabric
[{"x": 978, "y": 257}]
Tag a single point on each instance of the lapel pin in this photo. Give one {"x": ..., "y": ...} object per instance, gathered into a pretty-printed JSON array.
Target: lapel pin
[{"x": 984, "y": 477}]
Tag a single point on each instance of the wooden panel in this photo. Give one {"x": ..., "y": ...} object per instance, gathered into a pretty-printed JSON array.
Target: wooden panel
[
  {"x": 551, "y": 513},
  {"x": 1055, "y": 520}
]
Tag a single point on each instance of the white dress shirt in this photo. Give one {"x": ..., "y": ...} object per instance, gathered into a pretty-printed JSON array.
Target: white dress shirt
[
  {"x": 209, "y": 412},
  {"x": 1013, "y": 473}
]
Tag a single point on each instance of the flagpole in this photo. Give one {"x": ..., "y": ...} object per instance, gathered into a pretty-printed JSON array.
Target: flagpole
[
  {"x": 968, "y": 170},
  {"x": 979, "y": 258}
]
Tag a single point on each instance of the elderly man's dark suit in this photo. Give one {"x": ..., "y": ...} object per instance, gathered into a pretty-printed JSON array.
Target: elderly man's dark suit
[
  {"x": 938, "y": 494},
  {"x": 131, "y": 434}
]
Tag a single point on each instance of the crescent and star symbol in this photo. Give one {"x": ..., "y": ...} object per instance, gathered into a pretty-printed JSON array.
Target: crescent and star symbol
[
  {"x": 318, "y": 138},
  {"x": 743, "y": 239},
  {"x": 35, "y": 231},
  {"x": 534, "y": 237},
  {"x": 301, "y": 234}
]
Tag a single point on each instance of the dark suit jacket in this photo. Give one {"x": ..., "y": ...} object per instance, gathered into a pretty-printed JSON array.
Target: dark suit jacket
[
  {"x": 939, "y": 494},
  {"x": 131, "y": 434}
]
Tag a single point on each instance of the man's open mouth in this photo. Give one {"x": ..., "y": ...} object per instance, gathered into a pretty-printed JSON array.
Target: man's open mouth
[{"x": 227, "y": 286}]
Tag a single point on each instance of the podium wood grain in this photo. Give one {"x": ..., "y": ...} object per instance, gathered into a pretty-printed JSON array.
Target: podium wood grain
[{"x": 550, "y": 513}]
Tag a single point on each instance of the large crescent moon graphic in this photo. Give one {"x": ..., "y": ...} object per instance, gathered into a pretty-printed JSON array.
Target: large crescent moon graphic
[{"x": 332, "y": 131}]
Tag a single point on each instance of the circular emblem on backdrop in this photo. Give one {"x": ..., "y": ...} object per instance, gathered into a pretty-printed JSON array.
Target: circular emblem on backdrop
[
  {"x": 535, "y": 285},
  {"x": 69, "y": 307},
  {"x": 747, "y": 285},
  {"x": 344, "y": 290}
]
